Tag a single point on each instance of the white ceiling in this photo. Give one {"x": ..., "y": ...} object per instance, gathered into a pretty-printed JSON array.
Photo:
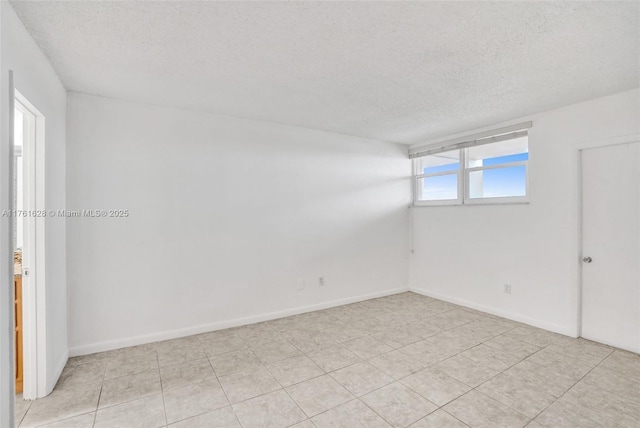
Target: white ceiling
[{"x": 396, "y": 71}]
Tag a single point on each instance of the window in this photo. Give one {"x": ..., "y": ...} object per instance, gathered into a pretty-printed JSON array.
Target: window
[{"x": 487, "y": 170}]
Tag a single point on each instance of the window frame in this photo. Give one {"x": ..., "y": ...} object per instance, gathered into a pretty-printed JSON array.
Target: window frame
[
  {"x": 418, "y": 177},
  {"x": 463, "y": 173}
]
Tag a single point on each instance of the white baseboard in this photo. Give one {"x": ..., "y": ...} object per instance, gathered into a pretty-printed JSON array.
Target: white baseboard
[
  {"x": 556, "y": 328},
  {"x": 204, "y": 328}
]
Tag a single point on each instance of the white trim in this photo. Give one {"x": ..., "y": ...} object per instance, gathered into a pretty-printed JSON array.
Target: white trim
[
  {"x": 7, "y": 320},
  {"x": 34, "y": 290},
  {"x": 534, "y": 322},
  {"x": 237, "y": 322}
]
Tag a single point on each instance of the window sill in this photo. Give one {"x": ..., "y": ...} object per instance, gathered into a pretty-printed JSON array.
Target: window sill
[{"x": 473, "y": 204}]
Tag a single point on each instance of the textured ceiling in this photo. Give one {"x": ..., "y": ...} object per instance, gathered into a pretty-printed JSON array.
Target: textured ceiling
[{"x": 395, "y": 71}]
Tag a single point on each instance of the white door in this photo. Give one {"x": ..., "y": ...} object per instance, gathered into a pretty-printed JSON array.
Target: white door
[{"x": 611, "y": 245}]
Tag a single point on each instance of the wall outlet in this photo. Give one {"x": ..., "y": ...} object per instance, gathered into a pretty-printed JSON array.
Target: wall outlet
[
  {"x": 507, "y": 289},
  {"x": 301, "y": 284},
  {"x": 321, "y": 281}
]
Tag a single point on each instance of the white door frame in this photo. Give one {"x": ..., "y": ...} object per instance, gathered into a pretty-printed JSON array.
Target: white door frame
[
  {"x": 592, "y": 144},
  {"x": 33, "y": 282}
]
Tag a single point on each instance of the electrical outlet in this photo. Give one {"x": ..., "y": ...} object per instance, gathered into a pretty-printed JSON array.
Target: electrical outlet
[
  {"x": 321, "y": 281},
  {"x": 507, "y": 289},
  {"x": 301, "y": 284}
]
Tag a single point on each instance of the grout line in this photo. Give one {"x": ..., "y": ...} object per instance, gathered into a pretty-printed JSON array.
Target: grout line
[{"x": 164, "y": 405}]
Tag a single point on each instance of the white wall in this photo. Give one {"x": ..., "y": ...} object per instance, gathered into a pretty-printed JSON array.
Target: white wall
[
  {"x": 226, "y": 215},
  {"x": 37, "y": 81},
  {"x": 466, "y": 254}
]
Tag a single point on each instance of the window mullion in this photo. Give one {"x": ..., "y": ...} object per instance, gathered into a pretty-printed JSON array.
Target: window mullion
[{"x": 462, "y": 185}]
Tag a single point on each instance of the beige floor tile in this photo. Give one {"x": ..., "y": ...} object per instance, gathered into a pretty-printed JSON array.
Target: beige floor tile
[
  {"x": 517, "y": 393},
  {"x": 436, "y": 386},
  {"x": 350, "y": 415},
  {"x": 477, "y": 410},
  {"x": 127, "y": 388},
  {"x": 566, "y": 415},
  {"x": 187, "y": 401},
  {"x": 361, "y": 378},
  {"x": 275, "y": 351},
  {"x": 258, "y": 333},
  {"x": 147, "y": 412},
  {"x": 334, "y": 358},
  {"x": 625, "y": 363},
  {"x": 222, "y": 345},
  {"x": 21, "y": 407},
  {"x": 344, "y": 333},
  {"x": 467, "y": 371},
  {"x": 319, "y": 394},
  {"x": 546, "y": 379},
  {"x": 532, "y": 335},
  {"x": 81, "y": 421},
  {"x": 312, "y": 341},
  {"x": 304, "y": 424},
  {"x": 600, "y": 405},
  {"x": 451, "y": 343},
  {"x": 129, "y": 366},
  {"x": 367, "y": 347},
  {"x": 398, "y": 405},
  {"x": 82, "y": 374},
  {"x": 396, "y": 338},
  {"x": 427, "y": 353},
  {"x": 234, "y": 361},
  {"x": 63, "y": 404},
  {"x": 191, "y": 342},
  {"x": 91, "y": 358},
  {"x": 173, "y": 356},
  {"x": 585, "y": 350},
  {"x": 484, "y": 328},
  {"x": 186, "y": 373},
  {"x": 396, "y": 364},
  {"x": 430, "y": 349},
  {"x": 294, "y": 370},
  {"x": 248, "y": 384},
  {"x": 487, "y": 356},
  {"x": 561, "y": 364},
  {"x": 221, "y": 418},
  {"x": 512, "y": 345},
  {"x": 272, "y": 410},
  {"x": 439, "y": 419},
  {"x": 614, "y": 382}
]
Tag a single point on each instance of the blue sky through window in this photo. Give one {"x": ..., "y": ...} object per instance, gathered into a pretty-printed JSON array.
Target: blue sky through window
[{"x": 492, "y": 183}]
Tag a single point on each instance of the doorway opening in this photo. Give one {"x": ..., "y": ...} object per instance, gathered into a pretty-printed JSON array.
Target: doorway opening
[{"x": 28, "y": 244}]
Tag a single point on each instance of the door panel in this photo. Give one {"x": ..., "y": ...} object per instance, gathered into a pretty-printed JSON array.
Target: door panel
[{"x": 611, "y": 245}]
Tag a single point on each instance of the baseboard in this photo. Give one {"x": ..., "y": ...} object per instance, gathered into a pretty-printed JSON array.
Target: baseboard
[
  {"x": 221, "y": 325},
  {"x": 556, "y": 328}
]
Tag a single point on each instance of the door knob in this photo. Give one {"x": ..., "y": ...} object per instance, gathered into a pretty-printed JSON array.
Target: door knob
[{"x": 587, "y": 259}]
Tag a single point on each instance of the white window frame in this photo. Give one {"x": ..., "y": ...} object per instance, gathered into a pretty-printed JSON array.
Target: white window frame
[
  {"x": 418, "y": 177},
  {"x": 498, "y": 200},
  {"x": 463, "y": 174}
]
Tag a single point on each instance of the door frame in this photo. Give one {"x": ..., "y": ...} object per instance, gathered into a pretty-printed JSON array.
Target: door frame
[
  {"x": 587, "y": 145},
  {"x": 34, "y": 291}
]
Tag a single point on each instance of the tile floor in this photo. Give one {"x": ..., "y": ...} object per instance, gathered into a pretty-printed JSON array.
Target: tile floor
[{"x": 402, "y": 361}]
